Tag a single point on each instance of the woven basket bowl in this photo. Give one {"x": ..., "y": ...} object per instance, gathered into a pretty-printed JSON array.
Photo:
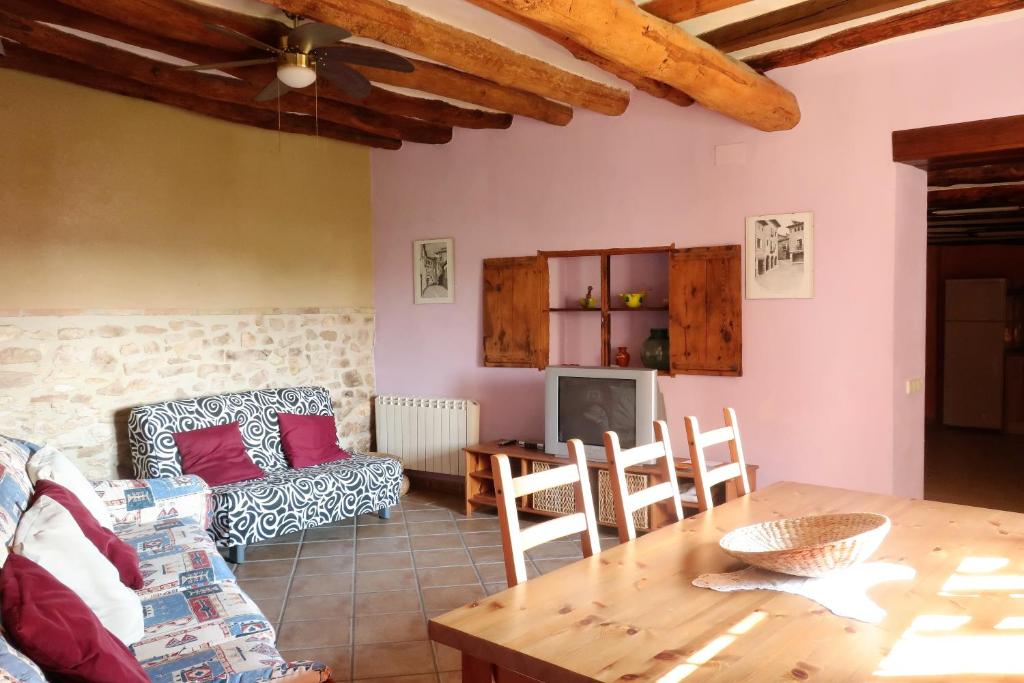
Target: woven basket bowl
[{"x": 808, "y": 546}]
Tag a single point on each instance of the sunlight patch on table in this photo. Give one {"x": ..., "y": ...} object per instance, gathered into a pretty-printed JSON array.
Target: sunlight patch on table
[{"x": 709, "y": 651}]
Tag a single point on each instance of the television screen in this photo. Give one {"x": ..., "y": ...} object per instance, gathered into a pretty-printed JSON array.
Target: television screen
[{"x": 590, "y": 406}]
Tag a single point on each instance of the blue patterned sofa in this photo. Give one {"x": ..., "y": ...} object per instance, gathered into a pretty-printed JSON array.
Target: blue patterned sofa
[
  {"x": 286, "y": 499},
  {"x": 199, "y": 624}
]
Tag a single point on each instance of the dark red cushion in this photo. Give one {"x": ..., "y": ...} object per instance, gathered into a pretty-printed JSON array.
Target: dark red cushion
[
  {"x": 216, "y": 454},
  {"x": 309, "y": 440},
  {"x": 58, "y": 631},
  {"x": 121, "y": 555}
]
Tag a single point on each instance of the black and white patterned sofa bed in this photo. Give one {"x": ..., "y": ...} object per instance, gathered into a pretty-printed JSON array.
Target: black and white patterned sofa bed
[{"x": 286, "y": 499}]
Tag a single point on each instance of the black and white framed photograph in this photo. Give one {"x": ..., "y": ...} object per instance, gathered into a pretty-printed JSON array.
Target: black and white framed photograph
[
  {"x": 780, "y": 256},
  {"x": 433, "y": 275}
]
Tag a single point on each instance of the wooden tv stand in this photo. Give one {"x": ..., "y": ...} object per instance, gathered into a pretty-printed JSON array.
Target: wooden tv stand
[{"x": 480, "y": 484}]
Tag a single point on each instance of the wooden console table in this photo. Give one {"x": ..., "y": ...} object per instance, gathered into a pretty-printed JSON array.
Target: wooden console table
[{"x": 480, "y": 485}]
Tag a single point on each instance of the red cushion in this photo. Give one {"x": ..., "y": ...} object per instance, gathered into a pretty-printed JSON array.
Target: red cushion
[
  {"x": 309, "y": 440},
  {"x": 56, "y": 630},
  {"x": 121, "y": 555},
  {"x": 216, "y": 454}
]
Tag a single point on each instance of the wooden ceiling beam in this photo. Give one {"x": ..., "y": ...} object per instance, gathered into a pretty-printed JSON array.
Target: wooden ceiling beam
[
  {"x": 159, "y": 74},
  {"x": 130, "y": 24},
  {"x": 1012, "y": 171},
  {"x": 793, "y": 20},
  {"x": 21, "y": 58},
  {"x": 976, "y": 197},
  {"x": 681, "y": 10},
  {"x": 447, "y": 82},
  {"x": 396, "y": 25},
  {"x": 960, "y": 144},
  {"x": 622, "y": 32},
  {"x": 934, "y": 16},
  {"x": 642, "y": 83}
]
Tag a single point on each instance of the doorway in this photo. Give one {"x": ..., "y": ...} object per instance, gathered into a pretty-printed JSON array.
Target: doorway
[{"x": 974, "y": 380}]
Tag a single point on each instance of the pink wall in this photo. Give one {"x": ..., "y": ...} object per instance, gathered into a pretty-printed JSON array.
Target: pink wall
[{"x": 820, "y": 399}]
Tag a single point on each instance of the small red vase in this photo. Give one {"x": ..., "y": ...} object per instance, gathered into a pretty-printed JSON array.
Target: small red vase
[{"x": 622, "y": 357}]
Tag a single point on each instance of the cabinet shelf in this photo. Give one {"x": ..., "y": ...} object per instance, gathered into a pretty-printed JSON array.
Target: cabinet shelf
[
  {"x": 574, "y": 310},
  {"x": 642, "y": 309}
]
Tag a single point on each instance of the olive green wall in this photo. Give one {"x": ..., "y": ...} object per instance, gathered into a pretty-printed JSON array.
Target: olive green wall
[{"x": 116, "y": 203}]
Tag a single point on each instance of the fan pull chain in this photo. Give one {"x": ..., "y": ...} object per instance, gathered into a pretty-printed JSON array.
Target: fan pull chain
[
  {"x": 278, "y": 99},
  {"x": 316, "y": 104}
]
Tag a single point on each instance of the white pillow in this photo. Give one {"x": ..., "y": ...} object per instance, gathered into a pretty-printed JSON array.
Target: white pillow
[
  {"x": 49, "y": 536},
  {"x": 49, "y": 463}
]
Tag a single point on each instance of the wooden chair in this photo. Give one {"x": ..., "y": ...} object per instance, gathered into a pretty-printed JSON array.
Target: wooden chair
[
  {"x": 704, "y": 477},
  {"x": 515, "y": 540},
  {"x": 627, "y": 503}
]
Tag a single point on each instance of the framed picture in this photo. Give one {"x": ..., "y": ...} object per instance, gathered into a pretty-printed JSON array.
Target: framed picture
[
  {"x": 433, "y": 275},
  {"x": 780, "y": 256}
]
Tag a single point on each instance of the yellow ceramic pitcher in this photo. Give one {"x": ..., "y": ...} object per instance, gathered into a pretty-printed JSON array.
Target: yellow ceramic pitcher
[{"x": 633, "y": 299}]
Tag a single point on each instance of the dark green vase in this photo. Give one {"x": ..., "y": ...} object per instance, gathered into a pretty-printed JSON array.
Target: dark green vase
[{"x": 654, "y": 351}]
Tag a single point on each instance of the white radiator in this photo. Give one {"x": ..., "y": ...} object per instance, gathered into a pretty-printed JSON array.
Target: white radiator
[{"x": 428, "y": 434}]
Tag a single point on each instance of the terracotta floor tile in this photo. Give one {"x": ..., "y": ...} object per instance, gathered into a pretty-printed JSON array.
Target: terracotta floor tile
[
  {"x": 293, "y": 537},
  {"x": 448, "y": 659},
  {"x": 265, "y": 588},
  {"x": 271, "y": 608},
  {"x": 380, "y": 531},
  {"x": 316, "y": 633},
  {"x": 436, "y": 542},
  {"x": 451, "y": 597},
  {"x": 384, "y": 561},
  {"x": 388, "y": 580},
  {"x": 326, "y": 548},
  {"x": 382, "y": 545},
  {"x": 450, "y": 677},
  {"x": 434, "y": 527},
  {"x": 441, "y": 558},
  {"x": 427, "y": 515},
  {"x": 477, "y": 524},
  {"x": 395, "y": 628},
  {"x": 335, "y": 564},
  {"x": 264, "y": 569},
  {"x": 487, "y": 554},
  {"x": 330, "y": 533},
  {"x": 417, "y": 678},
  {"x": 550, "y": 565},
  {"x": 321, "y": 584},
  {"x": 493, "y": 572},
  {"x": 278, "y": 551},
  {"x": 388, "y": 602},
  {"x": 305, "y": 608},
  {"x": 431, "y": 577},
  {"x": 493, "y": 588},
  {"x": 392, "y": 659},
  {"x": 338, "y": 658},
  {"x": 474, "y": 539},
  {"x": 555, "y": 549},
  {"x": 397, "y": 517}
]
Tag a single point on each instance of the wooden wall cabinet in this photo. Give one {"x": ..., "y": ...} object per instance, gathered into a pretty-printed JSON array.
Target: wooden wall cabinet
[{"x": 703, "y": 311}]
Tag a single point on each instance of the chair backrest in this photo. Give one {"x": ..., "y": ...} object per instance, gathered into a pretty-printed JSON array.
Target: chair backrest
[
  {"x": 705, "y": 478},
  {"x": 627, "y": 503},
  {"x": 516, "y": 540}
]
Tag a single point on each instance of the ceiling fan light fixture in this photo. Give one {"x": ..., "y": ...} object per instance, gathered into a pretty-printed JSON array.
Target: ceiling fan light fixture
[{"x": 295, "y": 70}]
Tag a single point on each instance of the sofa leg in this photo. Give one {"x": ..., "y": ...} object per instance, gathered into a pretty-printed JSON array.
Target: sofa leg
[
  {"x": 384, "y": 513},
  {"x": 236, "y": 554}
]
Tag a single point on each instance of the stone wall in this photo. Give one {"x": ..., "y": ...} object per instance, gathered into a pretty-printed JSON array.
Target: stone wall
[{"x": 69, "y": 378}]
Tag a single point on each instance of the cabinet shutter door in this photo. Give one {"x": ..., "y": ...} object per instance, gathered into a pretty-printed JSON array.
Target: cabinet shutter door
[
  {"x": 705, "y": 310},
  {"x": 515, "y": 312}
]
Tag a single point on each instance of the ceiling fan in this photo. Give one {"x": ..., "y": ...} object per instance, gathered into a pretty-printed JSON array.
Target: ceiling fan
[{"x": 309, "y": 50}]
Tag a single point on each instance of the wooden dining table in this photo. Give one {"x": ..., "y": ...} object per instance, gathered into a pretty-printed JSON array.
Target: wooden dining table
[{"x": 631, "y": 613}]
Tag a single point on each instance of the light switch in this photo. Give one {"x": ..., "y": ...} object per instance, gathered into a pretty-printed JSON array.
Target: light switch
[{"x": 915, "y": 385}]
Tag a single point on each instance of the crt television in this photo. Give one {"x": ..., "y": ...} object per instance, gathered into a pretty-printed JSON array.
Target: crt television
[{"x": 584, "y": 403}]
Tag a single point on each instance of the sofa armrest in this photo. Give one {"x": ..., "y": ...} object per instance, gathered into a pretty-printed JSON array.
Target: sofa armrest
[{"x": 142, "y": 501}]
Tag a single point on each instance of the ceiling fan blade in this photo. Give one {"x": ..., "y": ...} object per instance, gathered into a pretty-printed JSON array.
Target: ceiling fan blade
[
  {"x": 273, "y": 90},
  {"x": 349, "y": 80},
  {"x": 313, "y": 35},
  {"x": 229, "y": 65},
  {"x": 2, "y": 53},
  {"x": 237, "y": 35},
  {"x": 367, "y": 56}
]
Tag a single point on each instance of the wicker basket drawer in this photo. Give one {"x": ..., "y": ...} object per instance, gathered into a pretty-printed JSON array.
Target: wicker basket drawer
[
  {"x": 559, "y": 500},
  {"x": 606, "y": 499}
]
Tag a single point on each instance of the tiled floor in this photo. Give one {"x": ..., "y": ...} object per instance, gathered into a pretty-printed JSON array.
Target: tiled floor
[
  {"x": 357, "y": 595},
  {"x": 979, "y": 467}
]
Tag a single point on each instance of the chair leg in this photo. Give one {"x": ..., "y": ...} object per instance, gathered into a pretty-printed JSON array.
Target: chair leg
[
  {"x": 384, "y": 513},
  {"x": 236, "y": 554}
]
